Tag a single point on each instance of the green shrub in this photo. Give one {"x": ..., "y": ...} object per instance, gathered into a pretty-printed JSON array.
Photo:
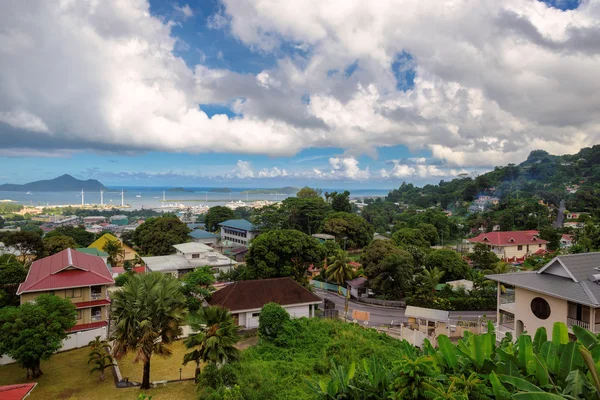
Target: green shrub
[{"x": 272, "y": 321}]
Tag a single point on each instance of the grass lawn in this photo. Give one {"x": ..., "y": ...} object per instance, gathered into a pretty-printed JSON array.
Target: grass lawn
[
  {"x": 66, "y": 377},
  {"x": 160, "y": 368}
]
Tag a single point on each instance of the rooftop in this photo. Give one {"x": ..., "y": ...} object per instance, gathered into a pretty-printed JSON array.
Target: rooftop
[
  {"x": 16, "y": 392},
  {"x": 201, "y": 234},
  {"x": 429, "y": 314},
  {"x": 175, "y": 262},
  {"x": 240, "y": 224},
  {"x": 192, "y": 247},
  {"x": 252, "y": 295},
  {"x": 508, "y": 238},
  {"x": 92, "y": 251},
  {"x": 66, "y": 269}
]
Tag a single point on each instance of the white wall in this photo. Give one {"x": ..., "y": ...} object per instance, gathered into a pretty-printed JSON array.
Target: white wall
[{"x": 246, "y": 319}]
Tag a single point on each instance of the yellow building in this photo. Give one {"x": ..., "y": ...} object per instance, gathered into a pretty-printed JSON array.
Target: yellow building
[
  {"x": 79, "y": 277},
  {"x": 102, "y": 240}
]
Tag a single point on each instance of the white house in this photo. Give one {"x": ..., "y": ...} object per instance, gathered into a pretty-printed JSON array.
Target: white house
[
  {"x": 190, "y": 256},
  {"x": 245, "y": 299},
  {"x": 238, "y": 231}
]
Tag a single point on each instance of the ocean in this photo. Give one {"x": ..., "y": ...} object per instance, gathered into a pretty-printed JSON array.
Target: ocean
[{"x": 151, "y": 197}]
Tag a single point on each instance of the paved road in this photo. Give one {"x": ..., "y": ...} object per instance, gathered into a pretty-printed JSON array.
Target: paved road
[{"x": 384, "y": 316}]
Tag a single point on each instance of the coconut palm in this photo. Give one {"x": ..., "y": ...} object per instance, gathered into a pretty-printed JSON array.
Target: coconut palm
[
  {"x": 99, "y": 344},
  {"x": 147, "y": 312},
  {"x": 138, "y": 261},
  {"x": 216, "y": 337},
  {"x": 339, "y": 269},
  {"x": 115, "y": 251},
  {"x": 101, "y": 361},
  {"x": 431, "y": 278},
  {"x": 498, "y": 268}
]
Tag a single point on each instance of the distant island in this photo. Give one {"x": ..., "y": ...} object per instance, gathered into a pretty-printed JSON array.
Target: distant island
[
  {"x": 179, "y": 189},
  {"x": 64, "y": 183},
  {"x": 220, "y": 190},
  {"x": 283, "y": 190}
]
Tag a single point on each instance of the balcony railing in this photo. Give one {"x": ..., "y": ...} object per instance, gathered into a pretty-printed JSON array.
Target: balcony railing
[
  {"x": 573, "y": 321},
  {"x": 96, "y": 296},
  {"x": 96, "y": 317},
  {"x": 507, "y": 298}
]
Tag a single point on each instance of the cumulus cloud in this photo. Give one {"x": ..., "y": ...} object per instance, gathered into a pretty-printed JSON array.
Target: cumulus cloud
[{"x": 492, "y": 80}]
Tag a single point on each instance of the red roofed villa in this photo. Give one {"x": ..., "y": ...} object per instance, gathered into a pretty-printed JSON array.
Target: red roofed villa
[
  {"x": 16, "y": 392},
  {"x": 511, "y": 246},
  {"x": 79, "y": 277}
]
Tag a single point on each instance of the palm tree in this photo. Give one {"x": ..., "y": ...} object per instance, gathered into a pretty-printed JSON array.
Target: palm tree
[
  {"x": 339, "y": 269},
  {"x": 431, "y": 278},
  {"x": 115, "y": 251},
  {"x": 101, "y": 361},
  {"x": 138, "y": 261},
  {"x": 216, "y": 337},
  {"x": 98, "y": 344},
  {"x": 498, "y": 268},
  {"x": 147, "y": 312}
]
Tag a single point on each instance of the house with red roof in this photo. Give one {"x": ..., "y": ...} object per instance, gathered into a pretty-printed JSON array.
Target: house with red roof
[
  {"x": 16, "y": 392},
  {"x": 79, "y": 277},
  {"x": 511, "y": 246}
]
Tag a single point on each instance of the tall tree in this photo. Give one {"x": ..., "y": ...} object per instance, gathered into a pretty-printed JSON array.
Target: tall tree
[
  {"x": 148, "y": 312},
  {"x": 483, "y": 257},
  {"x": 340, "y": 202},
  {"x": 56, "y": 244},
  {"x": 307, "y": 192},
  {"x": 34, "y": 331},
  {"x": 26, "y": 243},
  {"x": 376, "y": 252},
  {"x": 392, "y": 276},
  {"x": 216, "y": 338},
  {"x": 339, "y": 269},
  {"x": 12, "y": 273},
  {"x": 282, "y": 253},
  {"x": 357, "y": 231},
  {"x": 448, "y": 261},
  {"x": 216, "y": 215},
  {"x": 157, "y": 235},
  {"x": 410, "y": 237},
  {"x": 552, "y": 236},
  {"x": 82, "y": 237},
  {"x": 197, "y": 286}
]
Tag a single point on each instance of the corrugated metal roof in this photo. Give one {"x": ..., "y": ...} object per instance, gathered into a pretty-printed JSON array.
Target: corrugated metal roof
[
  {"x": 87, "y": 327},
  {"x": 193, "y": 247},
  {"x": 581, "y": 266},
  {"x": 429, "y": 314},
  {"x": 66, "y": 269},
  {"x": 200, "y": 234},
  {"x": 508, "y": 238},
  {"x": 241, "y": 224}
]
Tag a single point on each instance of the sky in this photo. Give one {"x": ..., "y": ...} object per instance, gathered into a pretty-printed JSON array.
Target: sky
[{"x": 268, "y": 93}]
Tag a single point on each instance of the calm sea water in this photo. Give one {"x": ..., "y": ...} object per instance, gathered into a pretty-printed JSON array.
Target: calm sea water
[{"x": 151, "y": 197}]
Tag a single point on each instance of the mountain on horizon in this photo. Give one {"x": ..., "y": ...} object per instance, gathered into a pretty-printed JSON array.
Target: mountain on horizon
[{"x": 63, "y": 183}]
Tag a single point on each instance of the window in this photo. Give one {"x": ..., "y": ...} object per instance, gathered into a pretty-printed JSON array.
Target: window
[
  {"x": 520, "y": 247},
  {"x": 255, "y": 315},
  {"x": 195, "y": 255},
  {"x": 540, "y": 308},
  {"x": 71, "y": 293},
  {"x": 539, "y": 245},
  {"x": 79, "y": 315}
]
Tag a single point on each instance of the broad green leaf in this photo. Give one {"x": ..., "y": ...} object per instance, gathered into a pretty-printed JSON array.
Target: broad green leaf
[
  {"x": 540, "y": 338},
  {"x": 541, "y": 372},
  {"x": 448, "y": 351},
  {"x": 585, "y": 337},
  {"x": 500, "y": 392},
  {"x": 560, "y": 334},
  {"x": 519, "y": 383},
  {"x": 592, "y": 368},
  {"x": 549, "y": 353},
  {"x": 570, "y": 359},
  {"x": 526, "y": 358},
  {"x": 508, "y": 364},
  {"x": 577, "y": 385},
  {"x": 537, "y": 396}
]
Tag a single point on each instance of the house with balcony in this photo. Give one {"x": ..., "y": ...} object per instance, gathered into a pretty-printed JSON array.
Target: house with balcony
[
  {"x": 238, "y": 231},
  {"x": 188, "y": 257},
  {"x": 567, "y": 290},
  {"x": 511, "y": 246},
  {"x": 81, "y": 278}
]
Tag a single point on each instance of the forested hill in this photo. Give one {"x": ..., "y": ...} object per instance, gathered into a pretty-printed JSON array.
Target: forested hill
[
  {"x": 63, "y": 183},
  {"x": 542, "y": 176}
]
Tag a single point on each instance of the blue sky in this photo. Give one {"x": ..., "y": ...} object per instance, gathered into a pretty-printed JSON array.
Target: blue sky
[{"x": 249, "y": 93}]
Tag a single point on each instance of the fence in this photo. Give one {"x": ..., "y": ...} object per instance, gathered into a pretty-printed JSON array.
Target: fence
[
  {"x": 385, "y": 303},
  {"x": 330, "y": 287},
  {"x": 76, "y": 340}
]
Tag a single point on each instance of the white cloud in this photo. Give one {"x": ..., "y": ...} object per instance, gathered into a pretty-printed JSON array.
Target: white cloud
[
  {"x": 243, "y": 170},
  {"x": 493, "y": 80}
]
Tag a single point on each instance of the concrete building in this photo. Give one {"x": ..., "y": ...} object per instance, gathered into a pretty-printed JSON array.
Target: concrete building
[
  {"x": 119, "y": 220},
  {"x": 238, "y": 231},
  {"x": 79, "y": 277},
  {"x": 204, "y": 237},
  {"x": 190, "y": 256},
  {"x": 244, "y": 299},
  {"x": 567, "y": 290},
  {"x": 511, "y": 246}
]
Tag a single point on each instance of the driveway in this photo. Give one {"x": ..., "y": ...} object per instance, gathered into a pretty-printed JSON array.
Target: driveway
[{"x": 385, "y": 315}]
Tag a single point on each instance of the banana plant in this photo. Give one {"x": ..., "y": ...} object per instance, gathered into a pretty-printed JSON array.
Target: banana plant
[{"x": 337, "y": 385}]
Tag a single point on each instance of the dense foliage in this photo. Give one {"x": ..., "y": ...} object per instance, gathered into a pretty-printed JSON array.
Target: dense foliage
[
  {"x": 56, "y": 244},
  {"x": 301, "y": 213},
  {"x": 82, "y": 237},
  {"x": 12, "y": 273},
  {"x": 272, "y": 321},
  {"x": 157, "y": 236},
  {"x": 34, "y": 331},
  {"x": 215, "y": 216},
  {"x": 349, "y": 229}
]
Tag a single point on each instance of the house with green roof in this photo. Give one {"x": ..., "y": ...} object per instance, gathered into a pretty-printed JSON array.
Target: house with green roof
[
  {"x": 204, "y": 237},
  {"x": 94, "y": 252},
  {"x": 238, "y": 231}
]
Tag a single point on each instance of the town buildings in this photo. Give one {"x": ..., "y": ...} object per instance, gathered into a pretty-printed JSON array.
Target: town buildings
[
  {"x": 128, "y": 253},
  {"x": 567, "y": 290},
  {"x": 204, "y": 237},
  {"x": 73, "y": 275},
  {"x": 238, "y": 231},
  {"x": 244, "y": 299},
  {"x": 511, "y": 246}
]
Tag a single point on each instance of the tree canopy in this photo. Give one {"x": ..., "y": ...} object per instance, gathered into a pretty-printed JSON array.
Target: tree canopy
[
  {"x": 34, "y": 331},
  {"x": 283, "y": 253},
  {"x": 82, "y": 237},
  {"x": 340, "y": 202},
  {"x": 448, "y": 261},
  {"x": 342, "y": 225},
  {"x": 58, "y": 243},
  {"x": 410, "y": 237},
  {"x": 376, "y": 251},
  {"x": 12, "y": 273},
  {"x": 307, "y": 192},
  {"x": 157, "y": 235},
  {"x": 197, "y": 286},
  {"x": 215, "y": 216},
  {"x": 392, "y": 276},
  {"x": 27, "y": 243},
  {"x": 301, "y": 213}
]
